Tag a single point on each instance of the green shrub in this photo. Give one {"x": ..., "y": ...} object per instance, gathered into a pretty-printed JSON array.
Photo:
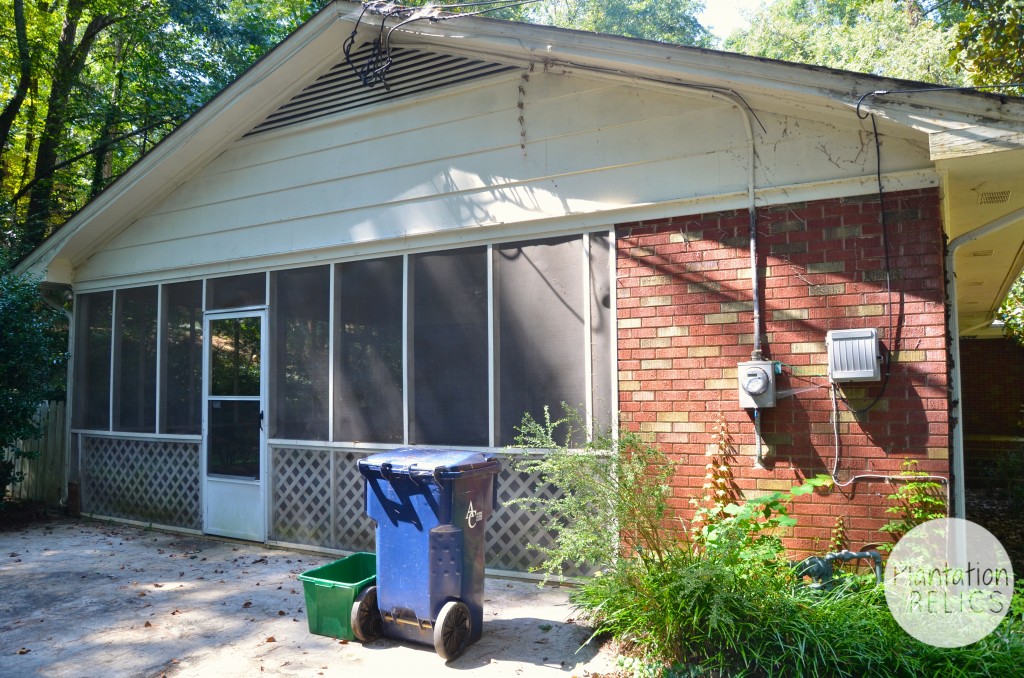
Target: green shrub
[
  {"x": 31, "y": 366},
  {"x": 721, "y": 599}
]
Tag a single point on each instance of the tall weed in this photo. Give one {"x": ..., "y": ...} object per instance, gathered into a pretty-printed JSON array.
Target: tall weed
[{"x": 614, "y": 493}]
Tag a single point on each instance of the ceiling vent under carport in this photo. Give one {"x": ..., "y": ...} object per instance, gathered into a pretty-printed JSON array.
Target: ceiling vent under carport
[
  {"x": 341, "y": 89},
  {"x": 994, "y": 197}
]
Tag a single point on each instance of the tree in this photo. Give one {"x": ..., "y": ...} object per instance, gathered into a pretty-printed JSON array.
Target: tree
[
  {"x": 31, "y": 370},
  {"x": 24, "y": 61},
  {"x": 988, "y": 42},
  {"x": 88, "y": 86},
  {"x": 881, "y": 37}
]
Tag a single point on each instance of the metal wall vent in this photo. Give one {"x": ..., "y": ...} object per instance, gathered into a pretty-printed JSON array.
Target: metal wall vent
[
  {"x": 994, "y": 197},
  {"x": 853, "y": 355},
  {"x": 340, "y": 89}
]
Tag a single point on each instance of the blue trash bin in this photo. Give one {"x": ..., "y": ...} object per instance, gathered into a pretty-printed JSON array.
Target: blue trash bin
[{"x": 431, "y": 508}]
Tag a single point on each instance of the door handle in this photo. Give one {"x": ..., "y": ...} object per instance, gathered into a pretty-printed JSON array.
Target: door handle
[{"x": 261, "y": 420}]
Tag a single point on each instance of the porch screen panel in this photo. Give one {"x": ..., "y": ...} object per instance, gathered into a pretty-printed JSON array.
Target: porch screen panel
[
  {"x": 601, "y": 331},
  {"x": 539, "y": 330},
  {"x": 92, "y": 360},
  {"x": 301, "y": 346},
  {"x": 448, "y": 347},
  {"x": 236, "y": 291},
  {"x": 368, "y": 351},
  {"x": 182, "y": 357},
  {"x": 135, "y": 360}
]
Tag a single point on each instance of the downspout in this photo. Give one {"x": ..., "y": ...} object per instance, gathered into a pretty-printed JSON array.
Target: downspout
[{"x": 957, "y": 442}]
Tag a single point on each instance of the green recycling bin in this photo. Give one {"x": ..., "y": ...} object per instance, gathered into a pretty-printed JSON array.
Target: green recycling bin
[{"x": 330, "y": 590}]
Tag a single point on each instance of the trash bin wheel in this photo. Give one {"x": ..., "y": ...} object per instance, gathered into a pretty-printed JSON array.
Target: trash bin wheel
[
  {"x": 451, "y": 631},
  {"x": 365, "y": 618}
]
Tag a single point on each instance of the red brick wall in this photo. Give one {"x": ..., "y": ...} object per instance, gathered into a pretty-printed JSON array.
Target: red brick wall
[
  {"x": 993, "y": 388},
  {"x": 685, "y": 321},
  {"x": 993, "y": 395}
]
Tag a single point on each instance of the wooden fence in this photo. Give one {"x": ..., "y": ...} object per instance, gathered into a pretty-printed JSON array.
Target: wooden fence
[{"x": 44, "y": 476}]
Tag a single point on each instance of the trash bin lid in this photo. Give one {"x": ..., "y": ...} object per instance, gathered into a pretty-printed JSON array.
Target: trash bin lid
[{"x": 426, "y": 462}]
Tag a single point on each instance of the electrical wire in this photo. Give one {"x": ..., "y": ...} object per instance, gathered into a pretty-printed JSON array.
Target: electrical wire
[
  {"x": 375, "y": 68},
  {"x": 885, "y": 227},
  {"x": 887, "y": 353},
  {"x": 974, "y": 88},
  {"x": 871, "y": 476}
]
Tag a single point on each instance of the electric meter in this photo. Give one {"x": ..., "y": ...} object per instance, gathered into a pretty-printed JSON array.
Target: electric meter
[
  {"x": 756, "y": 383},
  {"x": 754, "y": 380}
]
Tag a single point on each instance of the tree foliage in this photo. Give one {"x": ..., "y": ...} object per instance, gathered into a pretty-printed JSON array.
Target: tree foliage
[
  {"x": 880, "y": 37},
  {"x": 31, "y": 368},
  {"x": 88, "y": 86},
  {"x": 989, "y": 44}
]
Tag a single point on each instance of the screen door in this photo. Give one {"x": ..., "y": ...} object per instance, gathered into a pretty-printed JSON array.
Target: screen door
[{"x": 234, "y": 426}]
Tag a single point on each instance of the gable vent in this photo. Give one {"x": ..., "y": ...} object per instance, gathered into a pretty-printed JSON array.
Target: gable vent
[{"x": 340, "y": 89}]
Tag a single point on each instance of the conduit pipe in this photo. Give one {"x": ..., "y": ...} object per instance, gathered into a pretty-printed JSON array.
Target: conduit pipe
[
  {"x": 957, "y": 442},
  {"x": 746, "y": 114}
]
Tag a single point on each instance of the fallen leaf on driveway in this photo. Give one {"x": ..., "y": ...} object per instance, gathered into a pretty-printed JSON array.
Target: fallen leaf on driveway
[
  {"x": 281, "y": 613},
  {"x": 148, "y": 625},
  {"x": 24, "y": 650},
  {"x": 271, "y": 639},
  {"x": 246, "y": 605}
]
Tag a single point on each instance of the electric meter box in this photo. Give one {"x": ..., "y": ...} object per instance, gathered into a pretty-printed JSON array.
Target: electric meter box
[
  {"x": 853, "y": 355},
  {"x": 756, "y": 383}
]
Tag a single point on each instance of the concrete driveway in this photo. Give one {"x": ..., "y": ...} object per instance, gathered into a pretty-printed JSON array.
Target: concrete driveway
[{"x": 85, "y": 598}]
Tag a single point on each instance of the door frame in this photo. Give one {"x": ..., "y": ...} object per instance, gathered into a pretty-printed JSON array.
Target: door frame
[{"x": 263, "y": 510}]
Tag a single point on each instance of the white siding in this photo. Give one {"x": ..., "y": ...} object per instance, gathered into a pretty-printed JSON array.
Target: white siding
[{"x": 453, "y": 161}]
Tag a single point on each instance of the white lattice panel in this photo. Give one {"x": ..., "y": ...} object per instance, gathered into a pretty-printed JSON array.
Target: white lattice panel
[
  {"x": 300, "y": 511},
  {"x": 353, "y": 529},
  {"x": 152, "y": 481},
  {"x": 513, "y": 533}
]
